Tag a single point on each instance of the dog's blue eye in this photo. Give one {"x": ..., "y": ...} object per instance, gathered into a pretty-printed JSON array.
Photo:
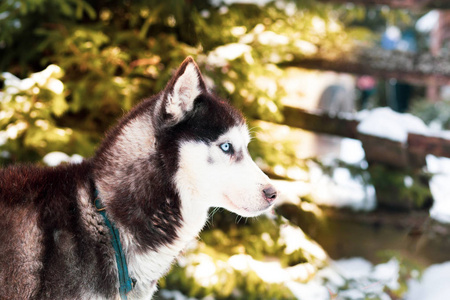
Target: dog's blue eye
[{"x": 226, "y": 147}]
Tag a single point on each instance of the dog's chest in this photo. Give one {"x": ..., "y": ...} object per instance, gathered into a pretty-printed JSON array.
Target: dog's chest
[{"x": 148, "y": 267}]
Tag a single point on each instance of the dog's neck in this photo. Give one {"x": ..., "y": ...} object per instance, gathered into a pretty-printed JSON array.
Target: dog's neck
[
  {"x": 154, "y": 219},
  {"x": 152, "y": 264},
  {"x": 135, "y": 175},
  {"x": 168, "y": 232}
]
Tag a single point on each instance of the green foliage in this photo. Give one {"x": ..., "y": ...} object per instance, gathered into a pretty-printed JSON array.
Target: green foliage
[
  {"x": 409, "y": 269},
  {"x": 112, "y": 54},
  {"x": 226, "y": 284},
  {"x": 258, "y": 238},
  {"x": 274, "y": 146},
  {"x": 105, "y": 68},
  {"x": 28, "y": 115},
  {"x": 221, "y": 266},
  {"x": 401, "y": 188},
  {"x": 71, "y": 68},
  {"x": 19, "y": 21},
  {"x": 436, "y": 113},
  {"x": 375, "y": 18}
]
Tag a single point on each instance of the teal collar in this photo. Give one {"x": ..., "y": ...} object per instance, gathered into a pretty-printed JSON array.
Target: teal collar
[{"x": 126, "y": 282}]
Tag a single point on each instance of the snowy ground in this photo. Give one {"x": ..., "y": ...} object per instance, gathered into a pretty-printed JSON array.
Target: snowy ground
[
  {"x": 349, "y": 279},
  {"x": 434, "y": 284},
  {"x": 440, "y": 187},
  {"x": 345, "y": 279},
  {"x": 341, "y": 190}
]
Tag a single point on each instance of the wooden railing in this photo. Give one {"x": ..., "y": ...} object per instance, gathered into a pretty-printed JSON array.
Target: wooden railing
[{"x": 377, "y": 149}]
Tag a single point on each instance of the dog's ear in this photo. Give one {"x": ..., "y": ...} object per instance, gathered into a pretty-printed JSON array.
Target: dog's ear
[{"x": 184, "y": 87}]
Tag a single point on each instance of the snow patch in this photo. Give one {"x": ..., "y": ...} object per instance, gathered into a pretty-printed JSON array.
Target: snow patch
[
  {"x": 272, "y": 38},
  {"x": 271, "y": 272},
  {"x": 352, "y": 278},
  {"x": 291, "y": 191},
  {"x": 295, "y": 239},
  {"x": 220, "y": 56},
  {"x": 433, "y": 285},
  {"x": 45, "y": 78},
  {"x": 353, "y": 268},
  {"x": 174, "y": 295},
  {"x": 55, "y": 158},
  {"x": 308, "y": 291},
  {"x": 439, "y": 187},
  {"x": 428, "y": 21},
  {"x": 341, "y": 189},
  {"x": 351, "y": 151},
  {"x": 386, "y": 123},
  {"x": 388, "y": 273},
  {"x": 203, "y": 269}
]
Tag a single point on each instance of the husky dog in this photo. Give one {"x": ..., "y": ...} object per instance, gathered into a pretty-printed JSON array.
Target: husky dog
[{"x": 157, "y": 173}]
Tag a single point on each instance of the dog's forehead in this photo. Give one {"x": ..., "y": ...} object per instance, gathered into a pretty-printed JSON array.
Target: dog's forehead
[{"x": 237, "y": 135}]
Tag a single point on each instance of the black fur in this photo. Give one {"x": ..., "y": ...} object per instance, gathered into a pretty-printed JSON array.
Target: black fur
[
  {"x": 50, "y": 249},
  {"x": 209, "y": 119},
  {"x": 51, "y": 195}
]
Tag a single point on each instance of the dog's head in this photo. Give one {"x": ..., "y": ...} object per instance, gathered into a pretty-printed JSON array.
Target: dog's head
[
  {"x": 202, "y": 141},
  {"x": 183, "y": 140}
]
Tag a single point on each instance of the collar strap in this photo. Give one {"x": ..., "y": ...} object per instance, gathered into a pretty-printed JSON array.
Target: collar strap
[{"x": 126, "y": 282}]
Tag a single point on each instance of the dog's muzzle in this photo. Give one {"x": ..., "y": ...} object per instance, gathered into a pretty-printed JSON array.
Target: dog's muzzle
[{"x": 270, "y": 194}]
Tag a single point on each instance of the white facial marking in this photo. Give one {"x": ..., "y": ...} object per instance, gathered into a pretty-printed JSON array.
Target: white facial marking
[
  {"x": 220, "y": 174},
  {"x": 213, "y": 175}
]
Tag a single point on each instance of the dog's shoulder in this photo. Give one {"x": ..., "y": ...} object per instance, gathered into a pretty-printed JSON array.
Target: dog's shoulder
[
  {"x": 48, "y": 225},
  {"x": 21, "y": 184}
]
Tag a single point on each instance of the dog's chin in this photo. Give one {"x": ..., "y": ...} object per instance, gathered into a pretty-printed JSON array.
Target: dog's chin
[{"x": 247, "y": 211}]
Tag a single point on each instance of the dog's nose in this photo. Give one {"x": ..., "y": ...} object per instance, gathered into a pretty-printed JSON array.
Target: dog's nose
[{"x": 270, "y": 193}]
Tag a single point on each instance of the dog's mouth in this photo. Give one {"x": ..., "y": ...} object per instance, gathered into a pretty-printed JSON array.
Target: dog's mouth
[{"x": 245, "y": 211}]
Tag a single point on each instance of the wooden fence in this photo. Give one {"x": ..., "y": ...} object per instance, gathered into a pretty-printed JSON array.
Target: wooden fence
[{"x": 377, "y": 149}]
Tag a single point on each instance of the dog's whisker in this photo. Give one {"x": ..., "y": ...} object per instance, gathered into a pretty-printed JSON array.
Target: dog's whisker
[
  {"x": 213, "y": 212},
  {"x": 238, "y": 219}
]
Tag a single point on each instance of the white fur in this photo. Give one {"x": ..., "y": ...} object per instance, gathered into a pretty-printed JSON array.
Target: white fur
[
  {"x": 136, "y": 142},
  {"x": 234, "y": 185},
  {"x": 151, "y": 266},
  {"x": 224, "y": 182}
]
